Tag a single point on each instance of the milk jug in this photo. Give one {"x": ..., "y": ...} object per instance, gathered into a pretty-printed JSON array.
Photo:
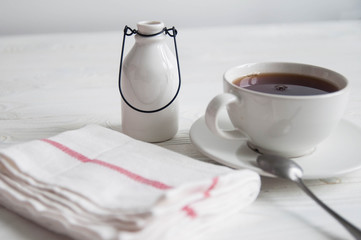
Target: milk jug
[{"x": 149, "y": 83}]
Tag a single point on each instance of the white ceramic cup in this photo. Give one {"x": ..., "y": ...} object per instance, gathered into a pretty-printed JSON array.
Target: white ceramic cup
[{"x": 289, "y": 126}]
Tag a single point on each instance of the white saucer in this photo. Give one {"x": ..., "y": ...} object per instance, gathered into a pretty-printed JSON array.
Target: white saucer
[{"x": 337, "y": 155}]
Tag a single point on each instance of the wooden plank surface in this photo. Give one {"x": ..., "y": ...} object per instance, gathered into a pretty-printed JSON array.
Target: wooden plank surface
[{"x": 57, "y": 82}]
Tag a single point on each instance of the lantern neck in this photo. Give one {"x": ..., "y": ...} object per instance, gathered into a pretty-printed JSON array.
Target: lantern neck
[{"x": 150, "y": 27}]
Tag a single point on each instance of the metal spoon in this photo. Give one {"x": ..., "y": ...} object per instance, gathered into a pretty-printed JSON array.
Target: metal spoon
[{"x": 288, "y": 169}]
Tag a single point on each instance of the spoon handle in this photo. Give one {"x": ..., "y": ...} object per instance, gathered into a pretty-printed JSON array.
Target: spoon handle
[{"x": 350, "y": 227}]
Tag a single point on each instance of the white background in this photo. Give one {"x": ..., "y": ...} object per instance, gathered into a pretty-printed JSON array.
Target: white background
[{"x": 37, "y": 16}]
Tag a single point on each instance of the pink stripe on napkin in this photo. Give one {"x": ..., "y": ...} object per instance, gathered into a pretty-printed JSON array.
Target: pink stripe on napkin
[
  {"x": 189, "y": 210},
  {"x": 84, "y": 159}
]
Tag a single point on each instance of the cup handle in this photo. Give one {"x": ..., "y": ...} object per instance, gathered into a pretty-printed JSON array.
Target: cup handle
[{"x": 212, "y": 113}]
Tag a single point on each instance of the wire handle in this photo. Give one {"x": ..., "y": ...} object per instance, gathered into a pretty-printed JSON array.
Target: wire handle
[{"x": 172, "y": 32}]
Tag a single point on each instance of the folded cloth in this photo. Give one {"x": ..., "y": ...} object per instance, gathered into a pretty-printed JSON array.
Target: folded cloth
[{"x": 96, "y": 183}]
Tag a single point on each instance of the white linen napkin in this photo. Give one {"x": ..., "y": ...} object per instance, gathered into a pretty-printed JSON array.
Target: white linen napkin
[{"x": 96, "y": 183}]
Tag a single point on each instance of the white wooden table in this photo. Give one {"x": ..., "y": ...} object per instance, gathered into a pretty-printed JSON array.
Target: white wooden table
[{"x": 55, "y": 82}]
